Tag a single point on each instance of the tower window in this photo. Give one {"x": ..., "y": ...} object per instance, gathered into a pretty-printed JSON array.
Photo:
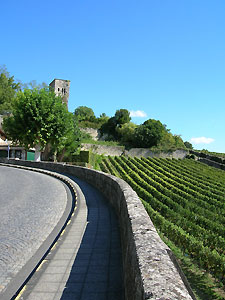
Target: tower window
[{"x": 58, "y": 89}]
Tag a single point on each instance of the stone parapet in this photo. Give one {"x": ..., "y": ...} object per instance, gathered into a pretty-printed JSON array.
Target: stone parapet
[{"x": 150, "y": 269}]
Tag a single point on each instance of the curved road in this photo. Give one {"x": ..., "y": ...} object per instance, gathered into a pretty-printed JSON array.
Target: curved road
[{"x": 31, "y": 204}]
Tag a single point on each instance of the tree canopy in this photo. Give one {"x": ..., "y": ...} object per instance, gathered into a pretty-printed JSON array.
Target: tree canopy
[
  {"x": 8, "y": 90},
  {"x": 122, "y": 116},
  {"x": 149, "y": 134},
  {"x": 84, "y": 113},
  {"x": 109, "y": 128},
  {"x": 126, "y": 133},
  {"x": 38, "y": 118},
  {"x": 70, "y": 142},
  {"x": 188, "y": 145}
]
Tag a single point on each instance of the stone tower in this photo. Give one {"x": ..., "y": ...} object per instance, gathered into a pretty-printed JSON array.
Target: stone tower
[{"x": 61, "y": 88}]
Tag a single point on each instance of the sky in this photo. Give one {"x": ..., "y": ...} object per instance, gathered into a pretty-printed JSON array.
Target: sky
[{"x": 160, "y": 59}]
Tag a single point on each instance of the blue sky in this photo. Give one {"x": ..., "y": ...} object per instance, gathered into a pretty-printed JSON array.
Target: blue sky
[{"x": 165, "y": 58}]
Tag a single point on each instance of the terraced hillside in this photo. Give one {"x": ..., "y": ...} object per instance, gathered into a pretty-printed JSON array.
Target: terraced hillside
[{"x": 186, "y": 201}]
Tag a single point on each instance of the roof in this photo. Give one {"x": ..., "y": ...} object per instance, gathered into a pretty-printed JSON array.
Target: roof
[{"x": 58, "y": 79}]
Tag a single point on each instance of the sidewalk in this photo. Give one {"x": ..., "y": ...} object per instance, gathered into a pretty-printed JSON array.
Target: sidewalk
[{"x": 86, "y": 263}]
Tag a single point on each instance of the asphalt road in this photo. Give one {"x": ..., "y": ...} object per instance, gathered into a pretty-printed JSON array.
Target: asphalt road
[{"x": 31, "y": 205}]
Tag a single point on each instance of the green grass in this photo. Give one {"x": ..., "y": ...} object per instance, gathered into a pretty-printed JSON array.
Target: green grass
[{"x": 202, "y": 284}]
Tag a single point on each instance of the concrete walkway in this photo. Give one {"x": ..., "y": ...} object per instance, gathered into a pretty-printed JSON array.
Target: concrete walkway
[{"x": 86, "y": 263}]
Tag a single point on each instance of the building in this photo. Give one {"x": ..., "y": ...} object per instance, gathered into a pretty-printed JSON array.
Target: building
[
  {"x": 61, "y": 88},
  {"x": 7, "y": 149}
]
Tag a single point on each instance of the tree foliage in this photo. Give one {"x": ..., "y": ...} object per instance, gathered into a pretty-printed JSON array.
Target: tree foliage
[
  {"x": 38, "y": 118},
  {"x": 70, "y": 142},
  {"x": 122, "y": 116},
  {"x": 8, "y": 90},
  {"x": 109, "y": 128},
  {"x": 84, "y": 113},
  {"x": 126, "y": 133},
  {"x": 94, "y": 122},
  {"x": 149, "y": 133},
  {"x": 188, "y": 145},
  {"x": 178, "y": 141}
]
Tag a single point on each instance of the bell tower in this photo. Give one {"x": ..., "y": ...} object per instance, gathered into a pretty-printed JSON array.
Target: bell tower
[{"x": 61, "y": 88}]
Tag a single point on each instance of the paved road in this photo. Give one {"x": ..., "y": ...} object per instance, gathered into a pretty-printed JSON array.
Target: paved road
[
  {"x": 86, "y": 263},
  {"x": 31, "y": 204}
]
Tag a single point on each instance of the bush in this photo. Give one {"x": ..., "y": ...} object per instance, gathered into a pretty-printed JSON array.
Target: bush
[{"x": 149, "y": 133}]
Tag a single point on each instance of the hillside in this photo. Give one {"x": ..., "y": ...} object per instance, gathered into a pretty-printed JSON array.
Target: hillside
[{"x": 185, "y": 200}]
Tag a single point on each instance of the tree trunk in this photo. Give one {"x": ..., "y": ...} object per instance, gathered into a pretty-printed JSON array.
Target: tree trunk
[
  {"x": 62, "y": 155},
  {"x": 55, "y": 156},
  {"x": 37, "y": 155},
  {"x": 46, "y": 153}
]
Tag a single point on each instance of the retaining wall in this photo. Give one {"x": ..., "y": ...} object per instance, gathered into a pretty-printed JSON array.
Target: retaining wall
[
  {"x": 143, "y": 152},
  {"x": 210, "y": 160},
  {"x": 134, "y": 152},
  {"x": 212, "y": 163},
  {"x": 150, "y": 269},
  {"x": 103, "y": 149}
]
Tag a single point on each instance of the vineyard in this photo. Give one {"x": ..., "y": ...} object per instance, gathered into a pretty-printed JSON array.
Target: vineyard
[{"x": 186, "y": 202}]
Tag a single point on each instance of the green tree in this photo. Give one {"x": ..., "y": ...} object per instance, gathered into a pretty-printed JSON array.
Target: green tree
[
  {"x": 109, "y": 128},
  {"x": 122, "y": 116},
  {"x": 167, "y": 141},
  {"x": 103, "y": 118},
  {"x": 149, "y": 134},
  {"x": 38, "y": 118},
  {"x": 8, "y": 90},
  {"x": 179, "y": 143},
  {"x": 126, "y": 133},
  {"x": 84, "y": 113},
  {"x": 188, "y": 145},
  {"x": 70, "y": 143}
]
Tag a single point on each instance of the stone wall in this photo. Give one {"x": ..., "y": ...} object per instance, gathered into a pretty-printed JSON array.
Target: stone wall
[
  {"x": 94, "y": 133},
  {"x": 150, "y": 269},
  {"x": 134, "y": 152},
  {"x": 212, "y": 163},
  {"x": 119, "y": 150},
  {"x": 143, "y": 152},
  {"x": 103, "y": 149},
  {"x": 210, "y": 160}
]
